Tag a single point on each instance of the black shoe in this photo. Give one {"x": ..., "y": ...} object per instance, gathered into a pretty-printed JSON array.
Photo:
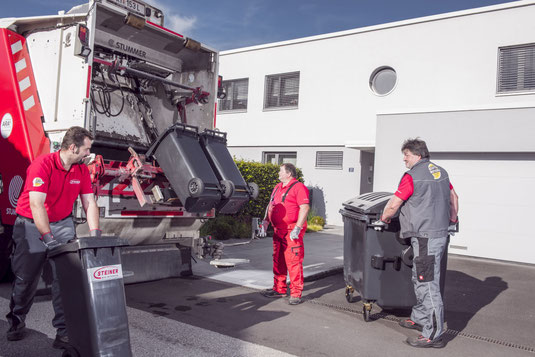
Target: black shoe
[
  {"x": 16, "y": 332},
  {"x": 61, "y": 342},
  {"x": 270, "y": 293},
  {"x": 423, "y": 342},
  {"x": 294, "y": 300},
  {"x": 408, "y": 323}
]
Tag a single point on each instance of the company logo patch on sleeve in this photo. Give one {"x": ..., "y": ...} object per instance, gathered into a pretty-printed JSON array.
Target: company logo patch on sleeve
[
  {"x": 38, "y": 182},
  {"x": 435, "y": 171}
]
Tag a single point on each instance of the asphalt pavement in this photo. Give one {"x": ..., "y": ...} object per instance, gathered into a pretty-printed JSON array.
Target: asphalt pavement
[{"x": 489, "y": 311}]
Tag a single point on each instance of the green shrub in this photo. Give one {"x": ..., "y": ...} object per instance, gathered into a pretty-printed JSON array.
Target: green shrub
[
  {"x": 266, "y": 176},
  {"x": 314, "y": 227},
  {"x": 317, "y": 220}
]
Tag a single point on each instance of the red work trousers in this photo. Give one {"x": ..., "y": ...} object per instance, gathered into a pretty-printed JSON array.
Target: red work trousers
[{"x": 288, "y": 257}]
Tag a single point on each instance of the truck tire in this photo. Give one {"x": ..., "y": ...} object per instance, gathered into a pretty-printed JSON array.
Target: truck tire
[
  {"x": 227, "y": 188},
  {"x": 195, "y": 187},
  {"x": 6, "y": 245}
]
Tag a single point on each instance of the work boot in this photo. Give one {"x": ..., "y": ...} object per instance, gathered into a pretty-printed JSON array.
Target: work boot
[
  {"x": 17, "y": 331},
  {"x": 424, "y": 342},
  {"x": 294, "y": 300},
  {"x": 270, "y": 293},
  {"x": 408, "y": 323},
  {"x": 61, "y": 342}
]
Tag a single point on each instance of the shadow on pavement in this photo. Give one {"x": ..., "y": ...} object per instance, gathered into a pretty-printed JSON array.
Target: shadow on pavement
[
  {"x": 465, "y": 296},
  {"x": 215, "y": 306},
  {"x": 35, "y": 344}
]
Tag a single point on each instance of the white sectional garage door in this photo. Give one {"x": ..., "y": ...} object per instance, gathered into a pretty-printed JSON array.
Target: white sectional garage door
[{"x": 496, "y": 195}]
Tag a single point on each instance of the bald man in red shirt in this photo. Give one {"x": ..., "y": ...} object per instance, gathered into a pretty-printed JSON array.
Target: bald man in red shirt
[{"x": 53, "y": 183}]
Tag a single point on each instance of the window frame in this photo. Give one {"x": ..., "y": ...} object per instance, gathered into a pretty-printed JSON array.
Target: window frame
[
  {"x": 500, "y": 73},
  {"x": 278, "y": 154},
  {"x": 238, "y": 110},
  {"x": 331, "y": 167},
  {"x": 280, "y": 76}
]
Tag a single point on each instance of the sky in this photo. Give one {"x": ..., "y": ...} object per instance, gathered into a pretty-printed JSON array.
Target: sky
[{"x": 229, "y": 24}]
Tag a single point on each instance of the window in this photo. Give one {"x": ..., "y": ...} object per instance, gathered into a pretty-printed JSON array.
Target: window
[
  {"x": 516, "y": 69},
  {"x": 279, "y": 158},
  {"x": 282, "y": 91},
  {"x": 236, "y": 95},
  {"x": 383, "y": 80},
  {"x": 329, "y": 160}
]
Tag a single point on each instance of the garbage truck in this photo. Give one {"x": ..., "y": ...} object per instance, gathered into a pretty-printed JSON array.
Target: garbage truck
[{"x": 148, "y": 95}]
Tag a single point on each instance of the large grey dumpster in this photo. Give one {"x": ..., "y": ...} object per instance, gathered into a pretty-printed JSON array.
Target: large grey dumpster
[
  {"x": 92, "y": 292},
  {"x": 377, "y": 264}
]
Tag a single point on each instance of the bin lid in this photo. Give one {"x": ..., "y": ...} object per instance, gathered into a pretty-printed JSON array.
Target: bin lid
[
  {"x": 368, "y": 203},
  {"x": 88, "y": 243}
]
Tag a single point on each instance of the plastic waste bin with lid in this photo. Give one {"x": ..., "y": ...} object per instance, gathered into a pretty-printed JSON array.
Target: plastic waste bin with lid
[
  {"x": 377, "y": 264},
  {"x": 235, "y": 192},
  {"x": 92, "y": 293},
  {"x": 179, "y": 154}
]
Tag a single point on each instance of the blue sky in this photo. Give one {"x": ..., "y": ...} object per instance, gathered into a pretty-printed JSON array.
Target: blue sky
[{"x": 227, "y": 24}]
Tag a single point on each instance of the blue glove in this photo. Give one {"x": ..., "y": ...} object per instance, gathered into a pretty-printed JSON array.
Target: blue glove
[{"x": 294, "y": 234}]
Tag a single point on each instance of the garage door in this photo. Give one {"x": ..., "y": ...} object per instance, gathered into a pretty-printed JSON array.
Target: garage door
[{"x": 496, "y": 198}]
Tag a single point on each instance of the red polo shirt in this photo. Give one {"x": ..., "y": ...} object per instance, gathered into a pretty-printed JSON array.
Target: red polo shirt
[
  {"x": 406, "y": 187},
  {"x": 285, "y": 215},
  {"x": 46, "y": 174}
]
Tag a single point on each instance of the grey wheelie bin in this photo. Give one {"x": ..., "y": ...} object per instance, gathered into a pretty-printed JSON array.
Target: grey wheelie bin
[
  {"x": 92, "y": 292},
  {"x": 235, "y": 192},
  {"x": 179, "y": 154},
  {"x": 377, "y": 263}
]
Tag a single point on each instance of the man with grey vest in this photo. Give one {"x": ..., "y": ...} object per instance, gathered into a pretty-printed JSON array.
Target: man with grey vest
[{"x": 429, "y": 207}]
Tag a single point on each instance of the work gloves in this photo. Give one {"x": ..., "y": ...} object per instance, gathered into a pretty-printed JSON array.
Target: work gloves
[
  {"x": 262, "y": 232},
  {"x": 294, "y": 234},
  {"x": 453, "y": 227},
  {"x": 49, "y": 240}
]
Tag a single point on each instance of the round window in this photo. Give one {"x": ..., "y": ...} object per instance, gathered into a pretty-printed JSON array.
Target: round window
[{"x": 383, "y": 80}]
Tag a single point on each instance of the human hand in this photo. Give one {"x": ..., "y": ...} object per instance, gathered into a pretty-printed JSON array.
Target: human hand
[
  {"x": 264, "y": 228},
  {"x": 294, "y": 234},
  {"x": 49, "y": 240},
  {"x": 96, "y": 233}
]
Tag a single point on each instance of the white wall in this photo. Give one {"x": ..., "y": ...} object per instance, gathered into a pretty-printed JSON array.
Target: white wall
[{"x": 446, "y": 63}]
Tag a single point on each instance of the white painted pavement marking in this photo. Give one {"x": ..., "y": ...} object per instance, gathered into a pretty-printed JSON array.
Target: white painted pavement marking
[
  {"x": 339, "y": 258},
  {"x": 313, "y": 265}
]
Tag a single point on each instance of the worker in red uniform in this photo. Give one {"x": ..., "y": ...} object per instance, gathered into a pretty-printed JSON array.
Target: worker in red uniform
[
  {"x": 287, "y": 212},
  {"x": 53, "y": 183}
]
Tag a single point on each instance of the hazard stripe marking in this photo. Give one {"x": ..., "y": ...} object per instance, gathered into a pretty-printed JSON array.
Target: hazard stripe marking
[
  {"x": 24, "y": 84},
  {"x": 20, "y": 65},
  {"x": 29, "y": 103},
  {"x": 16, "y": 47}
]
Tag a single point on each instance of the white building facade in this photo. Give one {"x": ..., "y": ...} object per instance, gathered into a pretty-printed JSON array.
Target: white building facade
[{"x": 340, "y": 105}]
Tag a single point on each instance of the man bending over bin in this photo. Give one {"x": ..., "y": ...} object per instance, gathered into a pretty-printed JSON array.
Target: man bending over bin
[
  {"x": 429, "y": 207},
  {"x": 53, "y": 183}
]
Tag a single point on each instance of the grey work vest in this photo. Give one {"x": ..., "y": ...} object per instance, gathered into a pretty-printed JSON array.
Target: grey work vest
[{"x": 426, "y": 213}]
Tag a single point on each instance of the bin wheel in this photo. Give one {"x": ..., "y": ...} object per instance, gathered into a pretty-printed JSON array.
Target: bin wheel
[
  {"x": 70, "y": 352},
  {"x": 195, "y": 187},
  {"x": 366, "y": 310},
  {"x": 253, "y": 190},
  {"x": 349, "y": 294},
  {"x": 227, "y": 188}
]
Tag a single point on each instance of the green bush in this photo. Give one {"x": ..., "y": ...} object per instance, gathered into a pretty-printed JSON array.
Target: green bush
[
  {"x": 317, "y": 220},
  {"x": 224, "y": 227},
  {"x": 266, "y": 176},
  {"x": 314, "y": 227}
]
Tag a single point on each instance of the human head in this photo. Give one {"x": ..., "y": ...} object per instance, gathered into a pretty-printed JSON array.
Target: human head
[
  {"x": 413, "y": 151},
  {"x": 286, "y": 172},
  {"x": 77, "y": 143}
]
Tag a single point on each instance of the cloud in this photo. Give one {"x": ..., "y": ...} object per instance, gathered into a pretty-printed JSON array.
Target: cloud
[{"x": 184, "y": 25}]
